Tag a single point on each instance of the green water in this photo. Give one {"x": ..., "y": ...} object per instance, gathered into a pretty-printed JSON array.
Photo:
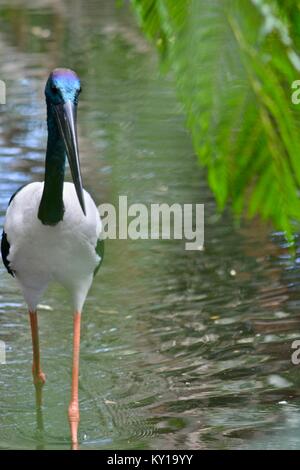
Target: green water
[{"x": 179, "y": 349}]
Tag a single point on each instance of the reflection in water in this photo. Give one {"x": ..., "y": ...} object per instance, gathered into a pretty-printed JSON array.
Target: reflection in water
[
  {"x": 40, "y": 440},
  {"x": 179, "y": 349}
]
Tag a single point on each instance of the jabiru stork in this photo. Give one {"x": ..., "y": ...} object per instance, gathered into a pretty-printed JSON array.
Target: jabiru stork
[{"x": 52, "y": 229}]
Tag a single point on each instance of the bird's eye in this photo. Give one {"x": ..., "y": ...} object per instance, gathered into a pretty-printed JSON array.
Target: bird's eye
[
  {"x": 54, "y": 89},
  {"x": 80, "y": 90}
]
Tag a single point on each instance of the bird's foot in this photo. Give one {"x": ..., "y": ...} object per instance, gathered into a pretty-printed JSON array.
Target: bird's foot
[
  {"x": 39, "y": 378},
  {"x": 74, "y": 422}
]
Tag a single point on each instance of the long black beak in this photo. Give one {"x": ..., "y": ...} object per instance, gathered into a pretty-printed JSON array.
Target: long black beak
[{"x": 66, "y": 119}]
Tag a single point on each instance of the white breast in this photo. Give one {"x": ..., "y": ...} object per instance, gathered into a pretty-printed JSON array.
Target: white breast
[{"x": 64, "y": 252}]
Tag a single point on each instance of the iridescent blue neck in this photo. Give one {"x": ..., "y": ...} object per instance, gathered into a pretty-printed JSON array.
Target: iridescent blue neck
[{"x": 51, "y": 209}]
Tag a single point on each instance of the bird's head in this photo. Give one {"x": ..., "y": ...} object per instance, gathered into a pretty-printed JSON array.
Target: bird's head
[
  {"x": 62, "y": 85},
  {"x": 62, "y": 91}
]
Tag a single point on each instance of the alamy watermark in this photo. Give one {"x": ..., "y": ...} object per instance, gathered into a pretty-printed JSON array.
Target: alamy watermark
[
  {"x": 156, "y": 221},
  {"x": 2, "y": 353},
  {"x": 2, "y": 92},
  {"x": 295, "y": 357}
]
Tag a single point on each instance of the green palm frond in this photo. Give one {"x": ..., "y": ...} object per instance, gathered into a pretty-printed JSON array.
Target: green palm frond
[{"x": 234, "y": 62}]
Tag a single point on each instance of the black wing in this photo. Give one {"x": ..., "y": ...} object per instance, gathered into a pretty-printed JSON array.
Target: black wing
[
  {"x": 5, "y": 246},
  {"x": 100, "y": 252}
]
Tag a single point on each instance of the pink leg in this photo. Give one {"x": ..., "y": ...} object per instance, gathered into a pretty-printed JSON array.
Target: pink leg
[
  {"x": 39, "y": 377},
  {"x": 74, "y": 406}
]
